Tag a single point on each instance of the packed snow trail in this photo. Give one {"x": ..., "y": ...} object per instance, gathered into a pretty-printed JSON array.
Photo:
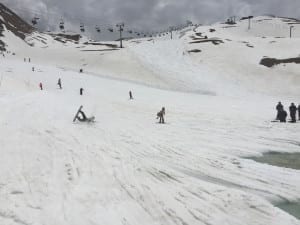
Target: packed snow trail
[{"x": 126, "y": 168}]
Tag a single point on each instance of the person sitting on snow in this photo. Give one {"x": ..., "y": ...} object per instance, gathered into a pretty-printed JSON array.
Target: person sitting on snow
[{"x": 83, "y": 117}]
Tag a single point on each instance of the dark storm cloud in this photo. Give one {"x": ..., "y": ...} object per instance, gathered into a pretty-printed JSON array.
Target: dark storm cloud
[{"x": 145, "y": 15}]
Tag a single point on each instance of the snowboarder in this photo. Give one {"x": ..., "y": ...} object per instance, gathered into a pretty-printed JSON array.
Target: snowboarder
[
  {"x": 59, "y": 83},
  {"x": 130, "y": 95},
  {"x": 299, "y": 112},
  {"x": 41, "y": 86},
  {"x": 80, "y": 116},
  {"x": 279, "y": 108},
  {"x": 81, "y": 91},
  {"x": 282, "y": 116},
  {"x": 161, "y": 114},
  {"x": 293, "y": 111}
]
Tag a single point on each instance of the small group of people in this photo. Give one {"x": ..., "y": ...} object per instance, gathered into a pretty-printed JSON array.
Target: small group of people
[
  {"x": 59, "y": 83},
  {"x": 282, "y": 114}
]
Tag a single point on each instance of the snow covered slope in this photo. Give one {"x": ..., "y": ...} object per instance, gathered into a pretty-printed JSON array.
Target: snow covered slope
[{"x": 126, "y": 169}]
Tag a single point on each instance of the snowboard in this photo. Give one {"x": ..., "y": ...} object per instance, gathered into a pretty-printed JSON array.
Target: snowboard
[{"x": 76, "y": 115}]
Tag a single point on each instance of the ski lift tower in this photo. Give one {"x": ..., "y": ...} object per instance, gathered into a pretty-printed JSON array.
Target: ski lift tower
[{"x": 121, "y": 29}]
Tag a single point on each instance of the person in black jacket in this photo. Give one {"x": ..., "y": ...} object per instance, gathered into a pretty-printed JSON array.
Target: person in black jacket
[
  {"x": 282, "y": 116},
  {"x": 59, "y": 83},
  {"x": 293, "y": 111},
  {"x": 161, "y": 114},
  {"x": 279, "y": 108}
]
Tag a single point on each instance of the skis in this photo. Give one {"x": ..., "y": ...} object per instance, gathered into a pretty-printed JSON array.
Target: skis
[{"x": 76, "y": 115}]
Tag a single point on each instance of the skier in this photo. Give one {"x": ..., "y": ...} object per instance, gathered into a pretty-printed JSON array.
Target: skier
[
  {"x": 130, "y": 95},
  {"x": 299, "y": 112},
  {"x": 279, "y": 108},
  {"x": 41, "y": 86},
  {"x": 59, "y": 83},
  {"x": 29, "y": 60},
  {"x": 161, "y": 115},
  {"x": 282, "y": 115},
  {"x": 81, "y": 91},
  {"x": 293, "y": 111}
]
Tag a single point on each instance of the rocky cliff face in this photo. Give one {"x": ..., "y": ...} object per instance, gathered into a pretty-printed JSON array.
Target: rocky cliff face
[{"x": 12, "y": 22}]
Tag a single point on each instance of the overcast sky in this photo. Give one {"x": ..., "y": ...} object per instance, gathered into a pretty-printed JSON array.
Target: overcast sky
[{"x": 145, "y": 15}]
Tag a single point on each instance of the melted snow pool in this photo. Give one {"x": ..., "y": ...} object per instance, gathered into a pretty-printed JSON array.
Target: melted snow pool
[
  {"x": 287, "y": 160},
  {"x": 291, "y": 208}
]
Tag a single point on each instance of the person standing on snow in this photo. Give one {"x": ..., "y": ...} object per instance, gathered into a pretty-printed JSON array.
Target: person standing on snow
[
  {"x": 293, "y": 111},
  {"x": 41, "y": 86},
  {"x": 81, "y": 91},
  {"x": 130, "y": 95},
  {"x": 59, "y": 83},
  {"x": 299, "y": 112},
  {"x": 279, "y": 108},
  {"x": 161, "y": 115},
  {"x": 282, "y": 115}
]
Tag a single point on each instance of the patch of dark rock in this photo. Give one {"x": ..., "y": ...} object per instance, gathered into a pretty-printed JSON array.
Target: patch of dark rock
[
  {"x": 214, "y": 41},
  {"x": 228, "y": 40},
  {"x": 228, "y": 27},
  {"x": 270, "y": 62},
  {"x": 194, "y": 51},
  {"x": 246, "y": 18},
  {"x": 212, "y": 30},
  {"x": 250, "y": 46},
  {"x": 60, "y": 40},
  {"x": 2, "y": 46},
  {"x": 42, "y": 38},
  {"x": 69, "y": 37},
  {"x": 199, "y": 34},
  {"x": 101, "y": 44},
  {"x": 14, "y": 23},
  {"x": 100, "y": 50}
]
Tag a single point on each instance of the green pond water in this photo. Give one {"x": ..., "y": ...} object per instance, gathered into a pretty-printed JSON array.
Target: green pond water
[
  {"x": 292, "y": 208},
  {"x": 286, "y": 160}
]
